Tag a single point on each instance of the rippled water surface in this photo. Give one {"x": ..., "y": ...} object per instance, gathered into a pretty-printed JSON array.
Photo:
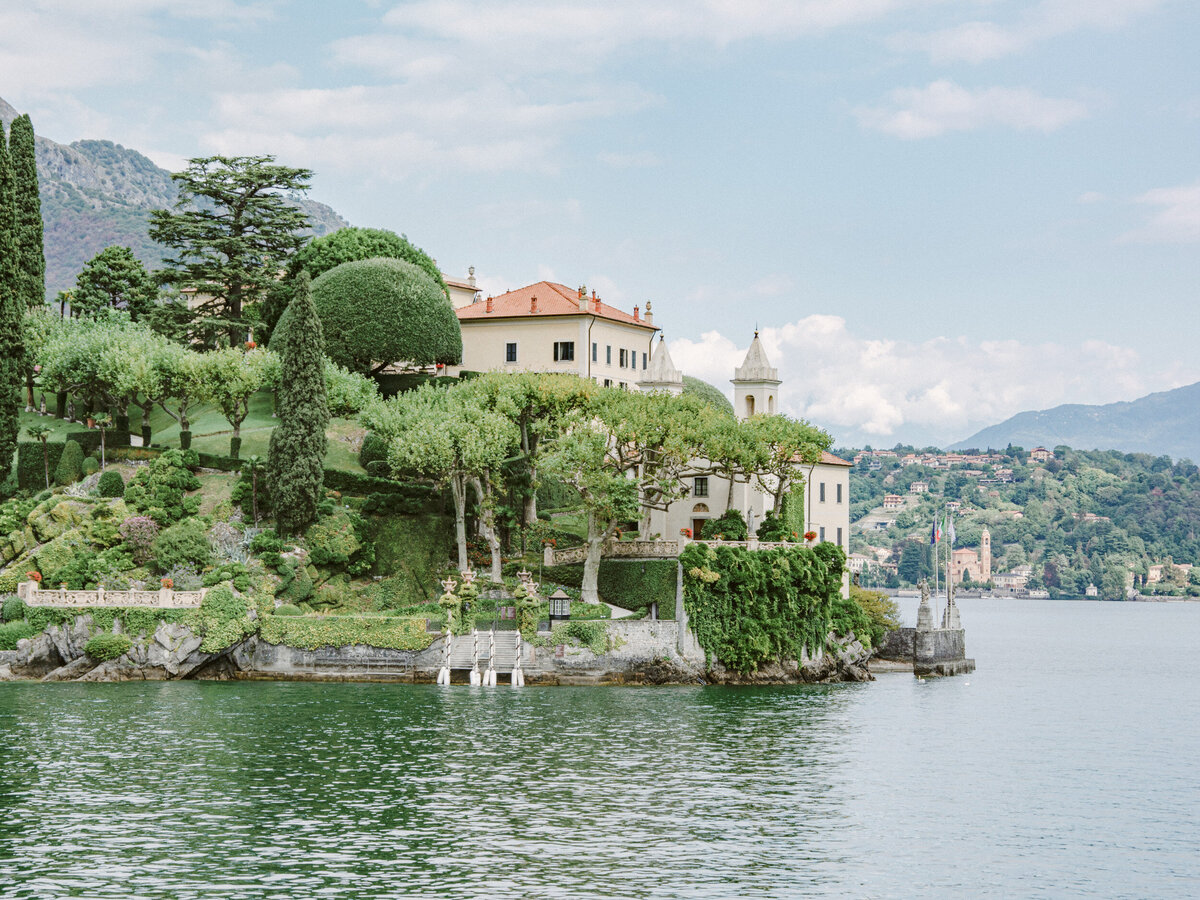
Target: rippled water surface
[{"x": 1066, "y": 766}]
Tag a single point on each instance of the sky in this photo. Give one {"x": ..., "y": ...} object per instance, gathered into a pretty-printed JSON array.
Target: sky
[{"x": 937, "y": 213}]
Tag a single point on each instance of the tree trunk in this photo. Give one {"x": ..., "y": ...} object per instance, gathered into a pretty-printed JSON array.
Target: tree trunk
[
  {"x": 729, "y": 496},
  {"x": 46, "y": 462},
  {"x": 528, "y": 444},
  {"x": 590, "y": 592},
  {"x": 487, "y": 527},
  {"x": 458, "y": 488}
]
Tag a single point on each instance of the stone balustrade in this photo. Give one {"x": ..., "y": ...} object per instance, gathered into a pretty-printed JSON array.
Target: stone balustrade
[
  {"x": 164, "y": 598},
  {"x": 648, "y": 550}
]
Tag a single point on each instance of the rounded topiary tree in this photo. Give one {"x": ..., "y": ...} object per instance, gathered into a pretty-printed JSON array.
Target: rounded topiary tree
[
  {"x": 376, "y": 312},
  {"x": 111, "y": 484},
  {"x": 70, "y": 464},
  {"x": 694, "y": 387}
]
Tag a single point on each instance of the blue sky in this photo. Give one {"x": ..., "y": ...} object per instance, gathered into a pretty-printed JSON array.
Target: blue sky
[{"x": 938, "y": 213}]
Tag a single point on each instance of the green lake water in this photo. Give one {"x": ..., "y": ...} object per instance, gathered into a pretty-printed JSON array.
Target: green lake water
[{"x": 1066, "y": 766}]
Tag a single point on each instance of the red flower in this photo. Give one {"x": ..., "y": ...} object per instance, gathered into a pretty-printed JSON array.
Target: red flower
[
  {"x": 168, "y": 583},
  {"x": 686, "y": 532},
  {"x": 250, "y": 345},
  {"x": 810, "y": 535},
  {"x": 35, "y": 576}
]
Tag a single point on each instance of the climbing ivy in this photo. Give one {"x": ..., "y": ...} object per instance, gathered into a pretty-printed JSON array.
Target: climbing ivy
[
  {"x": 751, "y": 607},
  {"x": 312, "y": 632}
]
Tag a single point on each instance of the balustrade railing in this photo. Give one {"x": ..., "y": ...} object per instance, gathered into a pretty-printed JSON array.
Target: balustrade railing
[{"x": 164, "y": 598}]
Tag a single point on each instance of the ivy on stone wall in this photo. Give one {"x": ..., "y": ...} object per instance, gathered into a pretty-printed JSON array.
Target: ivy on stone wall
[
  {"x": 313, "y": 632},
  {"x": 748, "y": 608}
]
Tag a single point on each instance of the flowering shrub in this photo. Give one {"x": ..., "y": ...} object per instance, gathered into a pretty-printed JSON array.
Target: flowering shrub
[
  {"x": 35, "y": 576},
  {"x": 168, "y": 584},
  {"x": 810, "y": 535},
  {"x": 138, "y": 534},
  {"x": 686, "y": 532}
]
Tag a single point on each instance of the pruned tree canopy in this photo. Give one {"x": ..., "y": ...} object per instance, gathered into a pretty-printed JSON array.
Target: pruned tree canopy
[
  {"x": 702, "y": 390},
  {"x": 376, "y": 312}
]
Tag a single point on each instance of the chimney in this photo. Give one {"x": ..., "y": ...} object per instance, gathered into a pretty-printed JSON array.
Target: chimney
[
  {"x": 649, "y": 314},
  {"x": 533, "y": 304},
  {"x": 489, "y": 305},
  {"x": 471, "y": 276},
  {"x": 582, "y": 298},
  {"x": 595, "y": 302},
  {"x": 635, "y": 314}
]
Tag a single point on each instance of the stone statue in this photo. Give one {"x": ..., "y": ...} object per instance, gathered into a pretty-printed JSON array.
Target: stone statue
[
  {"x": 925, "y": 610},
  {"x": 42, "y": 408}
]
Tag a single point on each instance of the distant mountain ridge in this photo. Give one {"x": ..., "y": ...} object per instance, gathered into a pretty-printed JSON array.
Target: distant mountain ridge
[
  {"x": 1163, "y": 423},
  {"x": 97, "y": 193}
]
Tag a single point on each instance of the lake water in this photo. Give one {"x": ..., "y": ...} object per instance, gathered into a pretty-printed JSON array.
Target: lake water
[{"x": 1067, "y": 765}]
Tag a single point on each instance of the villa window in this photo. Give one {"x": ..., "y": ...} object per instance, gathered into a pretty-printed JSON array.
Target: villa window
[
  {"x": 700, "y": 487},
  {"x": 608, "y": 354},
  {"x": 623, "y": 358},
  {"x": 821, "y": 536},
  {"x": 595, "y": 346},
  {"x": 623, "y": 386},
  {"x": 608, "y": 382},
  {"x": 644, "y": 355},
  {"x": 822, "y": 493},
  {"x": 510, "y": 352},
  {"x": 839, "y": 493},
  {"x": 839, "y": 536},
  {"x": 564, "y": 351}
]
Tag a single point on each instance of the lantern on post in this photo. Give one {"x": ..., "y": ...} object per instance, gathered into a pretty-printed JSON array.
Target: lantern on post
[{"x": 560, "y": 607}]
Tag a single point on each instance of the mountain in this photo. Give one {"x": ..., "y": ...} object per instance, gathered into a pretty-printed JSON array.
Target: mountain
[
  {"x": 97, "y": 193},
  {"x": 1165, "y": 423}
]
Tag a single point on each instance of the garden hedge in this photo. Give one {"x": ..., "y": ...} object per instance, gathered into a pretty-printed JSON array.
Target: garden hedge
[{"x": 31, "y": 474}]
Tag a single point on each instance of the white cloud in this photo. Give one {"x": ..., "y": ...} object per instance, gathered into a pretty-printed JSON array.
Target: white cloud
[
  {"x": 1177, "y": 220},
  {"x": 981, "y": 41},
  {"x": 944, "y": 106},
  {"x": 880, "y": 391}
]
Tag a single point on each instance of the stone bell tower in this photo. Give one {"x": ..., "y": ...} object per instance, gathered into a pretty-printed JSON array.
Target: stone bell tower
[{"x": 755, "y": 384}]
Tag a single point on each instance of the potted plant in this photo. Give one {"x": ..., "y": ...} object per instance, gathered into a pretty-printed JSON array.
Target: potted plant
[{"x": 810, "y": 536}]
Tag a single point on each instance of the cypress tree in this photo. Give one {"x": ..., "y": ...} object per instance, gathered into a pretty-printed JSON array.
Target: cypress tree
[
  {"x": 27, "y": 205},
  {"x": 12, "y": 310},
  {"x": 296, "y": 459}
]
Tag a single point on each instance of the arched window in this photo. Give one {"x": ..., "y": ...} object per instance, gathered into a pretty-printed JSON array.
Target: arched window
[
  {"x": 749, "y": 406},
  {"x": 700, "y": 508},
  {"x": 770, "y": 404}
]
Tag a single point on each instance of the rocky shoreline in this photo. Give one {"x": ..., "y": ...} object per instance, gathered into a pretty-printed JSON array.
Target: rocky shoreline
[{"x": 641, "y": 653}]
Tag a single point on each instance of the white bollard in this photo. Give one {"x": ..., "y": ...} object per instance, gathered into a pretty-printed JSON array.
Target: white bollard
[{"x": 475, "y": 676}]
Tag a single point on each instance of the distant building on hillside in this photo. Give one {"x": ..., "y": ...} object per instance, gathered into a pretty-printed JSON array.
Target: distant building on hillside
[
  {"x": 918, "y": 487},
  {"x": 973, "y": 565},
  {"x": 1041, "y": 454},
  {"x": 893, "y": 501}
]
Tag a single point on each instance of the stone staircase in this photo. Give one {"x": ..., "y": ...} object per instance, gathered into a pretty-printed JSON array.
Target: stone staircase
[{"x": 482, "y": 651}]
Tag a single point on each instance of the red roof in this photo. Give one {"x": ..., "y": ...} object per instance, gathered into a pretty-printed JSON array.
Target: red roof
[
  {"x": 828, "y": 459},
  {"x": 552, "y": 300}
]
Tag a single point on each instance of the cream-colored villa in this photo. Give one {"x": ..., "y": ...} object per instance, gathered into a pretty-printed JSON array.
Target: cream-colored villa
[
  {"x": 755, "y": 389},
  {"x": 549, "y": 327}
]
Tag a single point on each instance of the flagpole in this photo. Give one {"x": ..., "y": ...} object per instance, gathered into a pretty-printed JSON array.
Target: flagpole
[{"x": 937, "y": 539}]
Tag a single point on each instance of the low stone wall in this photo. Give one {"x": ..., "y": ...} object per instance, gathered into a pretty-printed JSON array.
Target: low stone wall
[
  {"x": 937, "y": 651},
  {"x": 256, "y": 658},
  {"x": 614, "y": 550},
  {"x": 160, "y": 599}
]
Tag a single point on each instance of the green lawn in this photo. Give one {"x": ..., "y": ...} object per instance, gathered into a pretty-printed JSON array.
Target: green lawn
[{"x": 211, "y": 432}]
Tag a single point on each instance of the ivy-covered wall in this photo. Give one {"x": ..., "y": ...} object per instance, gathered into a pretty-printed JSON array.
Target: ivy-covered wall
[
  {"x": 629, "y": 584},
  {"x": 749, "y": 608}
]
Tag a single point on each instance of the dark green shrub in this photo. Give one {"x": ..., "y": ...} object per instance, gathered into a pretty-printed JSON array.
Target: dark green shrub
[
  {"x": 265, "y": 542},
  {"x": 340, "y": 541},
  {"x": 107, "y": 646},
  {"x": 374, "y": 449},
  {"x": 288, "y": 609},
  {"x": 384, "y": 309},
  {"x": 182, "y": 544},
  {"x": 111, "y": 484},
  {"x": 185, "y": 440},
  {"x": 233, "y": 572},
  {"x": 70, "y": 465},
  {"x": 90, "y": 440},
  {"x": 296, "y": 584},
  {"x": 846, "y": 616},
  {"x": 12, "y": 609},
  {"x": 11, "y": 632},
  {"x": 410, "y": 500},
  {"x": 730, "y": 526},
  {"x": 378, "y": 468},
  {"x": 159, "y": 489},
  {"x": 773, "y": 528},
  {"x": 220, "y": 463},
  {"x": 554, "y": 494},
  {"x": 31, "y": 468},
  {"x": 91, "y": 466}
]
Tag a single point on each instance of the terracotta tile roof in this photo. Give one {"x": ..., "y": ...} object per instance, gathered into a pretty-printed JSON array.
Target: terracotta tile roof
[
  {"x": 454, "y": 282},
  {"x": 828, "y": 459},
  {"x": 552, "y": 300}
]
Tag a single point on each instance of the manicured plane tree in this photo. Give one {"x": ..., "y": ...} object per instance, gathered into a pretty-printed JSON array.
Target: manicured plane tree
[{"x": 452, "y": 438}]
